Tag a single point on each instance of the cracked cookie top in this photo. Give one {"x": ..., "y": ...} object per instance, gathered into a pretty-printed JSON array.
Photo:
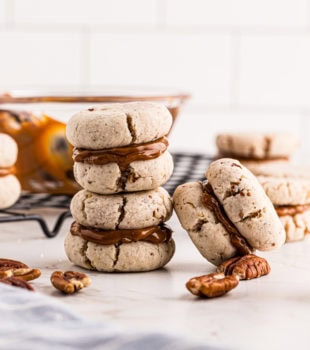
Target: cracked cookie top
[
  {"x": 257, "y": 145},
  {"x": 246, "y": 204},
  {"x": 118, "y": 124}
]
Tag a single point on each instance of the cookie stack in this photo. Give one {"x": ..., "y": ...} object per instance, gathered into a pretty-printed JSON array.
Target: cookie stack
[
  {"x": 9, "y": 185},
  {"x": 121, "y": 160},
  {"x": 254, "y": 150}
]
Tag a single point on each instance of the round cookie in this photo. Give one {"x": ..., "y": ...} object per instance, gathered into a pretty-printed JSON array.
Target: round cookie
[
  {"x": 9, "y": 191},
  {"x": 291, "y": 198},
  {"x": 208, "y": 235},
  {"x": 125, "y": 211},
  {"x": 283, "y": 170},
  {"x": 108, "y": 178},
  {"x": 128, "y": 257},
  {"x": 257, "y": 145},
  {"x": 118, "y": 124},
  {"x": 8, "y": 153},
  {"x": 246, "y": 204},
  {"x": 243, "y": 201},
  {"x": 286, "y": 191}
]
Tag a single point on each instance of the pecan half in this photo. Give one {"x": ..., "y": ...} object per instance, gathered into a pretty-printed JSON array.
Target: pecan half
[
  {"x": 212, "y": 285},
  {"x": 26, "y": 274},
  {"x": 246, "y": 267},
  {"x": 14, "y": 268},
  {"x": 69, "y": 282},
  {"x": 16, "y": 282},
  {"x": 6, "y": 264}
]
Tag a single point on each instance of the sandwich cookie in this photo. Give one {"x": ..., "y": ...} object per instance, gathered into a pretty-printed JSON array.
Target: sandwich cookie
[
  {"x": 229, "y": 214},
  {"x": 10, "y": 188},
  {"x": 122, "y": 233},
  {"x": 291, "y": 199},
  {"x": 121, "y": 147},
  {"x": 254, "y": 149}
]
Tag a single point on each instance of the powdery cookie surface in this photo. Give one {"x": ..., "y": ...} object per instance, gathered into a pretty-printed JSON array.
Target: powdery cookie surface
[
  {"x": 8, "y": 152},
  {"x": 286, "y": 191},
  {"x": 141, "y": 175},
  {"x": 296, "y": 226},
  {"x": 10, "y": 190},
  {"x": 123, "y": 211},
  {"x": 246, "y": 204},
  {"x": 128, "y": 257},
  {"x": 282, "y": 170},
  {"x": 257, "y": 145},
  {"x": 118, "y": 124},
  {"x": 209, "y": 236}
]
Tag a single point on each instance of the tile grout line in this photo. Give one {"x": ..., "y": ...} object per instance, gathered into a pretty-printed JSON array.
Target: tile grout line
[
  {"x": 10, "y": 13},
  {"x": 85, "y": 47},
  {"x": 235, "y": 70},
  {"x": 161, "y": 14}
]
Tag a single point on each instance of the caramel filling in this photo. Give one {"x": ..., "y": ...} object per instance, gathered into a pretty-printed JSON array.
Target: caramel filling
[
  {"x": 250, "y": 158},
  {"x": 123, "y": 156},
  {"x": 283, "y": 210},
  {"x": 210, "y": 201},
  {"x": 152, "y": 234},
  {"x": 7, "y": 171}
]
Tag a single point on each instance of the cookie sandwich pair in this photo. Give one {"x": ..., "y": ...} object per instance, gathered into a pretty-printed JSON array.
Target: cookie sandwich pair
[
  {"x": 229, "y": 214},
  {"x": 121, "y": 160},
  {"x": 254, "y": 150},
  {"x": 10, "y": 188}
]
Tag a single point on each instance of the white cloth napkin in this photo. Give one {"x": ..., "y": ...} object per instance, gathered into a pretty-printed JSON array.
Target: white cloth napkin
[{"x": 30, "y": 320}]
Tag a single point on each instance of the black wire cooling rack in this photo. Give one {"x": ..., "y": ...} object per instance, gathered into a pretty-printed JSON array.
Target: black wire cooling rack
[{"x": 187, "y": 167}]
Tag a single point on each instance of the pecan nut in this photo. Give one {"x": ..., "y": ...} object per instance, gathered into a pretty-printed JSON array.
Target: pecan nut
[
  {"x": 6, "y": 264},
  {"x": 246, "y": 267},
  {"x": 14, "y": 268},
  {"x": 212, "y": 285},
  {"x": 16, "y": 282},
  {"x": 26, "y": 274},
  {"x": 69, "y": 282}
]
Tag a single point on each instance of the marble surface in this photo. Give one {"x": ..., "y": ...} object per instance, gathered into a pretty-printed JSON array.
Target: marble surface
[{"x": 270, "y": 312}]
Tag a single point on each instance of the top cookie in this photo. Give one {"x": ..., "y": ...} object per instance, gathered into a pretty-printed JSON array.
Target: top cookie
[
  {"x": 282, "y": 170},
  {"x": 246, "y": 204},
  {"x": 8, "y": 153},
  {"x": 118, "y": 124},
  {"x": 256, "y": 145}
]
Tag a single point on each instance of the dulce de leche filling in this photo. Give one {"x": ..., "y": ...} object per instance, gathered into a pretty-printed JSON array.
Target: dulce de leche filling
[
  {"x": 153, "y": 234},
  {"x": 123, "y": 156},
  {"x": 211, "y": 202},
  {"x": 283, "y": 210},
  {"x": 4, "y": 171}
]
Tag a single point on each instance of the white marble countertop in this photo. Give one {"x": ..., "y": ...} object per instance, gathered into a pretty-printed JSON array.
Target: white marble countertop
[{"x": 272, "y": 312}]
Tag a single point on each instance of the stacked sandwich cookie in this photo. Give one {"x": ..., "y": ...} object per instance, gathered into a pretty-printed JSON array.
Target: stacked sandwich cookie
[
  {"x": 254, "y": 150},
  {"x": 121, "y": 160},
  {"x": 229, "y": 214},
  {"x": 9, "y": 185}
]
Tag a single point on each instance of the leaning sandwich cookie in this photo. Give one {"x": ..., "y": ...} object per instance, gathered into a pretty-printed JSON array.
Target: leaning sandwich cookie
[
  {"x": 121, "y": 147},
  {"x": 10, "y": 188},
  {"x": 229, "y": 214}
]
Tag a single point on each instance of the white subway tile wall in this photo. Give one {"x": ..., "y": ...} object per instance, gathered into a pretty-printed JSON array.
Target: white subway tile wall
[
  {"x": 199, "y": 63},
  {"x": 238, "y": 13},
  {"x": 245, "y": 62}
]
